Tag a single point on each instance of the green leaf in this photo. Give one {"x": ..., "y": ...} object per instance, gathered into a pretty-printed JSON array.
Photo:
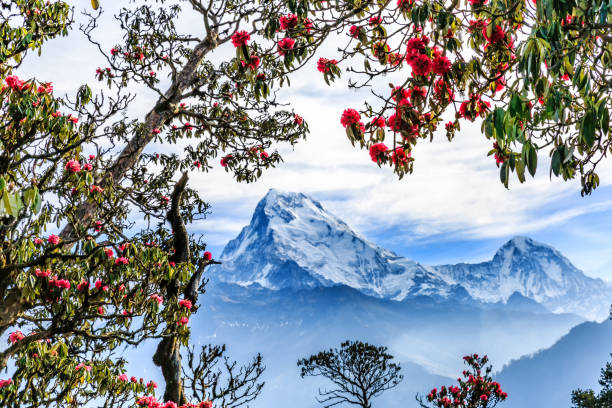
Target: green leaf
[
  {"x": 520, "y": 170},
  {"x": 532, "y": 160},
  {"x": 587, "y": 130},
  {"x": 555, "y": 164}
]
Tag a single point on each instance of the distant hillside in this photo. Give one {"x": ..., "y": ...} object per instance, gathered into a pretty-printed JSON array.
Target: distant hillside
[{"x": 547, "y": 378}]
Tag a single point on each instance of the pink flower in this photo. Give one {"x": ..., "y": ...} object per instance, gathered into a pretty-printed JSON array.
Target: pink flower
[
  {"x": 205, "y": 404},
  {"x": 73, "y": 166},
  {"x": 96, "y": 189},
  {"x": 240, "y": 38},
  {"x": 43, "y": 274},
  {"x": 14, "y": 82},
  {"x": 378, "y": 122},
  {"x": 298, "y": 120},
  {"x": 183, "y": 321},
  {"x": 45, "y": 88},
  {"x": 377, "y": 150},
  {"x": 15, "y": 336},
  {"x": 263, "y": 155},
  {"x": 100, "y": 310},
  {"x": 375, "y": 21},
  {"x": 5, "y": 383},
  {"x": 109, "y": 252},
  {"x": 157, "y": 298},
  {"x": 185, "y": 303},
  {"x": 123, "y": 378},
  {"x": 88, "y": 166},
  {"x": 207, "y": 256},
  {"x": 53, "y": 239},
  {"x": 82, "y": 365},
  {"x": 133, "y": 379},
  {"x": 349, "y": 117},
  {"x": 156, "y": 131},
  {"x": 285, "y": 45},
  {"x": 38, "y": 241},
  {"x": 151, "y": 384}
]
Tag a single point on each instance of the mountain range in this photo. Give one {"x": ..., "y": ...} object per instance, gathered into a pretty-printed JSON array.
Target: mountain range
[{"x": 293, "y": 243}]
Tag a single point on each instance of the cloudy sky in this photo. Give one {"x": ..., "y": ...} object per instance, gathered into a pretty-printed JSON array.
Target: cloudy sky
[{"x": 451, "y": 209}]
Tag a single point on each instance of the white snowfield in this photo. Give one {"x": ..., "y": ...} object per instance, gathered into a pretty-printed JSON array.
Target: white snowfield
[{"x": 293, "y": 242}]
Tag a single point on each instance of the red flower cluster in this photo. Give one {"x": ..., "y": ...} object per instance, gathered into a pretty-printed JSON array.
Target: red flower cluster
[
  {"x": 476, "y": 386},
  {"x": 42, "y": 274},
  {"x": 225, "y": 160},
  {"x": 473, "y": 108},
  {"x": 441, "y": 65},
  {"x": 15, "y": 83},
  {"x": 404, "y": 5},
  {"x": 349, "y": 117},
  {"x": 183, "y": 321},
  {"x": 416, "y": 56},
  {"x": 354, "y": 31},
  {"x": 399, "y": 156},
  {"x": 288, "y": 22},
  {"x": 16, "y": 336},
  {"x": 497, "y": 34},
  {"x": 185, "y": 303},
  {"x": 5, "y": 383},
  {"x": 59, "y": 283},
  {"x": 121, "y": 261},
  {"x": 378, "y": 122},
  {"x": 253, "y": 64},
  {"x": 375, "y": 21},
  {"x": 285, "y": 45},
  {"x": 377, "y": 151},
  {"x": 324, "y": 65},
  {"x": 53, "y": 239},
  {"x": 298, "y": 120},
  {"x": 240, "y": 38},
  {"x": 73, "y": 166},
  {"x": 207, "y": 256},
  {"x": 151, "y": 402}
]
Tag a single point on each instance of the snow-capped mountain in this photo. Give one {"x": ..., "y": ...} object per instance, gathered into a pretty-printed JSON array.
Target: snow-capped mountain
[{"x": 293, "y": 242}]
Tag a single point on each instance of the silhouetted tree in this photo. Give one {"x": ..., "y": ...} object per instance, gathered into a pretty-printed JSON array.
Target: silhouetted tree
[
  {"x": 588, "y": 398},
  {"x": 359, "y": 371}
]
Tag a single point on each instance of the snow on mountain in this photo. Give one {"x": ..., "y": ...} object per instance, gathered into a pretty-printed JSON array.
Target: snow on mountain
[{"x": 293, "y": 242}]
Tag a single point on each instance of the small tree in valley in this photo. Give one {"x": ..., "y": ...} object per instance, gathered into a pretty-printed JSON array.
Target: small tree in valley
[{"x": 359, "y": 371}]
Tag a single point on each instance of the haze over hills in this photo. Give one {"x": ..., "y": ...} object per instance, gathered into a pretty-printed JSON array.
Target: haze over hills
[
  {"x": 298, "y": 280},
  {"x": 293, "y": 242}
]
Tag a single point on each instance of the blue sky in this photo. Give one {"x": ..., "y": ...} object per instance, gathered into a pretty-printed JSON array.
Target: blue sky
[{"x": 452, "y": 209}]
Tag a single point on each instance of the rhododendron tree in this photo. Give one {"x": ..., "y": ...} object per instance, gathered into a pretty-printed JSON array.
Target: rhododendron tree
[
  {"x": 534, "y": 74},
  {"x": 475, "y": 389}
]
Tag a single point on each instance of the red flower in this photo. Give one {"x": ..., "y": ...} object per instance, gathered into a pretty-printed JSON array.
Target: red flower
[
  {"x": 375, "y": 21},
  {"x": 84, "y": 285},
  {"x": 240, "y": 38},
  {"x": 497, "y": 34},
  {"x": 349, "y": 117},
  {"x": 399, "y": 156},
  {"x": 53, "y": 239},
  {"x": 378, "y": 122},
  {"x": 354, "y": 31},
  {"x": 45, "y": 88},
  {"x": 113, "y": 51},
  {"x": 38, "y": 241},
  {"x": 15, "y": 336},
  {"x": 254, "y": 64},
  {"x": 207, "y": 256},
  {"x": 225, "y": 160},
  {"x": 185, "y": 303},
  {"x": 5, "y": 383},
  {"x": 121, "y": 260},
  {"x": 263, "y": 155},
  {"x": 441, "y": 65},
  {"x": 298, "y": 120},
  {"x": 288, "y": 22},
  {"x": 377, "y": 150},
  {"x": 442, "y": 91},
  {"x": 324, "y": 65},
  {"x": 421, "y": 65},
  {"x": 109, "y": 252},
  {"x": 285, "y": 45},
  {"x": 73, "y": 166},
  {"x": 14, "y": 82},
  {"x": 478, "y": 3},
  {"x": 414, "y": 47},
  {"x": 100, "y": 310},
  {"x": 156, "y": 131},
  {"x": 183, "y": 321}
]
